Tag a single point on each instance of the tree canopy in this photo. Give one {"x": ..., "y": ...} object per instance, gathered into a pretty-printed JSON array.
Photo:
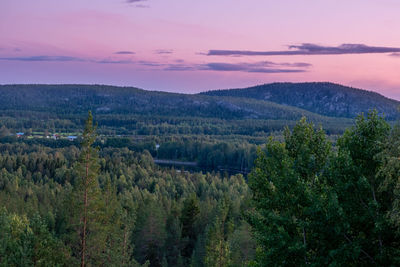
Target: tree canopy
[{"x": 315, "y": 204}]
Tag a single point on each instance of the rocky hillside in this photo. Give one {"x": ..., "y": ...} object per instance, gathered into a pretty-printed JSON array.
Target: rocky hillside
[{"x": 327, "y": 99}]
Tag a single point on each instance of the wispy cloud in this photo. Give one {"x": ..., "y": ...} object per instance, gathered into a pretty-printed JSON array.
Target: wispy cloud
[
  {"x": 43, "y": 58},
  {"x": 282, "y": 64},
  {"x": 113, "y": 61},
  {"x": 124, "y": 53},
  {"x": 150, "y": 63},
  {"x": 142, "y": 6},
  {"x": 310, "y": 49},
  {"x": 179, "y": 65},
  {"x": 257, "y": 67},
  {"x": 260, "y": 67},
  {"x": 163, "y": 51},
  {"x": 395, "y": 55},
  {"x": 65, "y": 59},
  {"x": 138, "y": 3}
]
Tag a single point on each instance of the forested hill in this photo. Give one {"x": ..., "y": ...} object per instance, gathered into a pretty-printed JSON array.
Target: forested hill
[
  {"x": 327, "y": 99},
  {"x": 58, "y": 100}
]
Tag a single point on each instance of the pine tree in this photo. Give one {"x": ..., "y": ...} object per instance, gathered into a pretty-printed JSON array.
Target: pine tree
[{"x": 87, "y": 206}]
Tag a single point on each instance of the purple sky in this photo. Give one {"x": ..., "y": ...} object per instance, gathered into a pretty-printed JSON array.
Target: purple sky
[{"x": 192, "y": 46}]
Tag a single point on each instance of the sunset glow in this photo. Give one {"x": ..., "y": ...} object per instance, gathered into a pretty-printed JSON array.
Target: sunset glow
[{"x": 167, "y": 44}]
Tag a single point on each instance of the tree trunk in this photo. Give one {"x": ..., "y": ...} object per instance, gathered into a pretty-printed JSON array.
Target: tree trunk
[{"x": 85, "y": 206}]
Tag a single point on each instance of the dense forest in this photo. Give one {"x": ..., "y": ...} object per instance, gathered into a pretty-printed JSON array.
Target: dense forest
[
  {"x": 162, "y": 179},
  {"x": 215, "y": 131},
  {"x": 131, "y": 111},
  {"x": 306, "y": 202},
  {"x": 135, "y": 212}
]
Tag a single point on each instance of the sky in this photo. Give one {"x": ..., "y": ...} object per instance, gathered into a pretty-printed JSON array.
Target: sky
[{"x": 192, "y": 46}]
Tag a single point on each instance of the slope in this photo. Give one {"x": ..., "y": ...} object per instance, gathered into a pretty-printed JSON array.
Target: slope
[{"x": 327, "y": 99}]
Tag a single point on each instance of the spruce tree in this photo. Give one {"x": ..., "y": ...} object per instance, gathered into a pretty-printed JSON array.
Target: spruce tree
[{"x": 188, "y": 218}]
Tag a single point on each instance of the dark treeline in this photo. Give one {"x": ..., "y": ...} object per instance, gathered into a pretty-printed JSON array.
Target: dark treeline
[
  {"x": 209, "y": 154},
  {"x": 157, "y": 125}
]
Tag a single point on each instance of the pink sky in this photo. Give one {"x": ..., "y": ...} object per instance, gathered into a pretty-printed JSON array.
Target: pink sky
[{"x": 165, "y": 43}]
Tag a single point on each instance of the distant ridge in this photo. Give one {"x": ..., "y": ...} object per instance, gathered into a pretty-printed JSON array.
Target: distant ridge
[
  {"x": 323, "y": 98},
  {"x": 74, "y": 99},
  {"x": 326, "y": 103}
]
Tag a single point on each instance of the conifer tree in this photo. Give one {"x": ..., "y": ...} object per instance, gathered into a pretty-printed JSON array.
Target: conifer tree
[
  {"x": 87, "y": 205},
  {"x": 189, "y": 216}
]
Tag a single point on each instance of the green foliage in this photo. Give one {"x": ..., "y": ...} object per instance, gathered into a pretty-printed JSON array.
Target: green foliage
[
  {"x": 311, "y": 203},
  {"x": 188, "y": 220},
  {"x": 242, "y": 246},
  {"x": 44, "y": 110},
  {"x": 25, "y": 242},
  {"x": 86, "y": 205},
  {"x": 285, "y": 184},
  {"x": 218, "y": 252},
  {"x": 136, "y": 211},
  {"x": 357, "y": 178},
  {"x": 314, "y": 206}
]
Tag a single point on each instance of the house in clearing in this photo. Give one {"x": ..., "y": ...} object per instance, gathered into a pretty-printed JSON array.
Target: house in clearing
[
  {"x": 72, "y": 137},
  {"x": 20, "y": 134}
]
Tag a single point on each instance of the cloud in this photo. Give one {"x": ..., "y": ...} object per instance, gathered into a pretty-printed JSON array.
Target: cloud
[
  {"x": 113, "y": 61},
  {"x": 138, "y": 3},
  {"x": 282, "y": 64},
  {"x": 43, "y": 58},
  {"x": 257, "y": 67},
  {"x": 142, "y": 6},
  {"x": 395, "y": 55},
  {"x": 310, "y": 49},
  {"x": 179, "y": 65},
  {"x": 163, "y": 51},
  {"x": 150, "y": 63},
  {"x": 65, "y": 59},
  {"x": 260, "y": 67},
  {"x": 124, "y": 53}
]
